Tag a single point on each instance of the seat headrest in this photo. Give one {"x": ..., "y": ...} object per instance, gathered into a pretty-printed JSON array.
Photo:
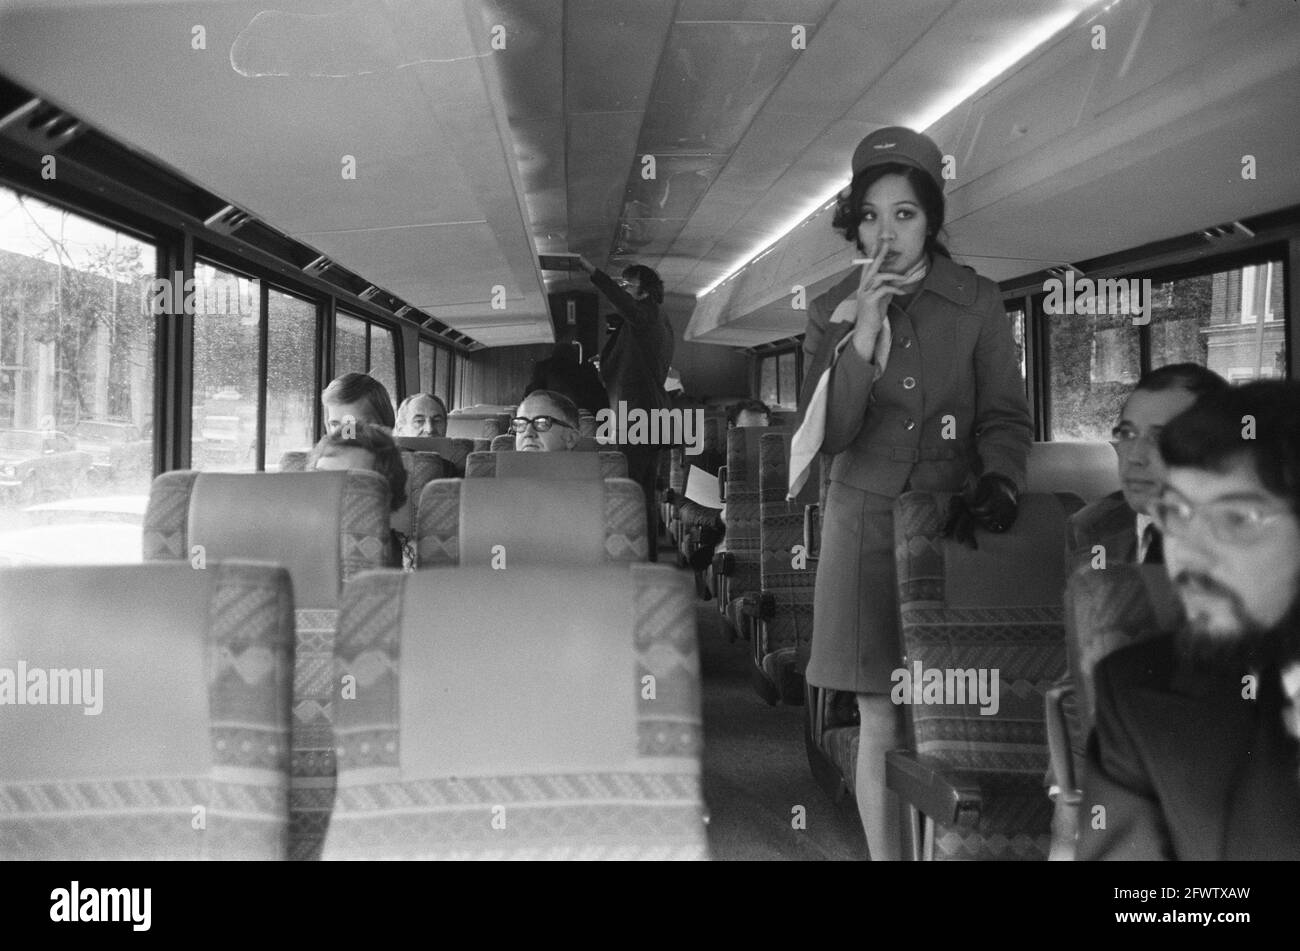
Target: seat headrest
[
  {"x": 548, "y": 465},
  {"x": 138, "y": 638},
  {"x": 1086, "y": 469},
  {"x": 421, "y": 469},
  {"x": 531, "y": 521},
  {"x": 322, "y": 526}
]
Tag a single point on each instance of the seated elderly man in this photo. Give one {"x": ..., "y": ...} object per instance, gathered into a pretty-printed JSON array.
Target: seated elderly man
[
  {"x": 370, "y": 447},
  {"x": 546, "y": 421},
  {"x": 421, "y": 414},
  {"x": 1194, "y": 752}
]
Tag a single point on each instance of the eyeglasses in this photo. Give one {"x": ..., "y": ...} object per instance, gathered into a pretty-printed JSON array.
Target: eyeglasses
[
  {"x": 542, "y": 424},
  {"x": 1230, "y": 521},
  {"x": 1125, "y": 436}
]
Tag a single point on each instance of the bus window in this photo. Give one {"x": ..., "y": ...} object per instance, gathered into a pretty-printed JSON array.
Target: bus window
[
  {"x": 383, "y": 358},
  {"x": 1017, "y": 316},
  {"x": 767, "y": 389},
  {"x": 76, "y": 386},
  {"x": 787, "y": 390},
  {"x": 226, "y": 315},
  {"x": 1094, "y": 362},
  {"x": 1230, "y": 321},
  {"x": 426, "y": 366},
  {"x": 349, "y": 345},
  {"x": 290, "y": 374}
]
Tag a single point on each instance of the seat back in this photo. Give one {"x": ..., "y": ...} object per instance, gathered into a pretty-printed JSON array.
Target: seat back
[
  {"x": 587, "y": 746},
  {"x": 989, "y": 624},
  {"x": 162, "y": 729},
  {"x": 743, "y": 539},
  {"x": 1104, "y": 611},
  {"x": 507, "y": 522},
  {"x": 324, "y": 527},
  {"x": 547, "y": 465},
  {"x": 1086, "y": 469},
  {"x": 784, "y": 570},
  {"x": 587, "y": 423},
  {"x": 453, "y": 450},
  {"x": 421, "y": 469}
]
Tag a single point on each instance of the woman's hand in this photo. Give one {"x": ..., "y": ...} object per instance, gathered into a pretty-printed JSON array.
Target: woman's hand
[{"x": 875, "y": 288}]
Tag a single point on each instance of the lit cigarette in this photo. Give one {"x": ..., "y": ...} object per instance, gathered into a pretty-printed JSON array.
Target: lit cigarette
[{"x": 862, "y": 260}]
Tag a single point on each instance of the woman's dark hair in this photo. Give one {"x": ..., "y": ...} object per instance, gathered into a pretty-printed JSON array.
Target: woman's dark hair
[
  {"x": 1259, "y": 422},
  {"x": 360, "y": 387},
  {"x": 848, "y": 207},
  {"x": 752, "y": 406},
  {"x": 376, "y": 441},
  {"x": 651, "y": 283}
]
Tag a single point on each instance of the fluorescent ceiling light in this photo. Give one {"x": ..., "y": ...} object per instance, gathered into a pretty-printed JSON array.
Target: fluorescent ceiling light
[{"x": 1024, "y": 44}]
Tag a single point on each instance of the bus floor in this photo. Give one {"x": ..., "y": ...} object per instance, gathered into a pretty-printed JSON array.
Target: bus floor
[{"x": 756, "y": 774}]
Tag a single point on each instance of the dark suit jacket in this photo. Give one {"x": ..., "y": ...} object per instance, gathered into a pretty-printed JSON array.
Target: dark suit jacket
[
  {"x": 1184, "y": 767},
  {"x": 1108, "y": 522},
  {"x": 634, "y": 361},
  {"x": 951, "y": 355}
]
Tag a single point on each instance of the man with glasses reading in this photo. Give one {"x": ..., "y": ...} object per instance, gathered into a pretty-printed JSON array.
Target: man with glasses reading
[
  {"x": 1121, "y": 522},
  {"x": 1194, "y": 753},
  {"x": 546, "y": 421}
]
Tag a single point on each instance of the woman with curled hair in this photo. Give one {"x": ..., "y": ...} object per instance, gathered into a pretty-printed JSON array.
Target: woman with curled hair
[
  {"x": 368, "y": 447},
  {"x": 922, "y": 391}
]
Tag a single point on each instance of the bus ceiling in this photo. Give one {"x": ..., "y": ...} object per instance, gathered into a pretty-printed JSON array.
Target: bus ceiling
[{"x": 437, "y": 148}]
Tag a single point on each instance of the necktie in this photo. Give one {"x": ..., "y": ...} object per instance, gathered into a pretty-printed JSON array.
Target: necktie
[{"x": 1155, "y": 546}]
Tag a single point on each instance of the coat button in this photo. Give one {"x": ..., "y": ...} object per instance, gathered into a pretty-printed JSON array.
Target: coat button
[
  {"x": 909, "y": 382},
  {"x": 906, "y": 342},
  {"x": 909, "y": 425}
]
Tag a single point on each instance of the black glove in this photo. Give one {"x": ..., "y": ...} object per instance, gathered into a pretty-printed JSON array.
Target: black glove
[{"x": 992, "y": 506}]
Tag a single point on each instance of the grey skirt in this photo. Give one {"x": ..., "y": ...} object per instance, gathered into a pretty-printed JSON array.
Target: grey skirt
[{"x": 855, "y": 644}]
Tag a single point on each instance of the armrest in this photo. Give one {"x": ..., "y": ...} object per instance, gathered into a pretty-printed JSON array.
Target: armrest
[
  {"x": 812, "y": 529},
  {"x": 1061, "y": 756},
  {"x": 722, "y": 484},
  {"x": 724, "y": 563},
  {"x": 758, "y": 605},
  {"x": 935, "y": 790}
]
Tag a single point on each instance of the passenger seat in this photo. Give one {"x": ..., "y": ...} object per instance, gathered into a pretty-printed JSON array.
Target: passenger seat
[
  {"x": 186, "y": 755},
  {"x": 324, "y": 527},
  {"x": 584, "y": 745}
]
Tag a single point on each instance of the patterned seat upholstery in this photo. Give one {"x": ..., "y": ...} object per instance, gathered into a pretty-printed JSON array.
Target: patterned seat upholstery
[
  {"x": 783, "y": 631},
  {"x": 512, "y": 521},
  {"x": 1104, "y": 611},
  {"x": 995, "y": 612},
  {"x": 453, "y": 450},
  {"x": 185, "y": 753},
  {"x": 742, "y": 540},
  {"x": 547, "y": 465},
  {"x": 1085, "y": 469},
  {"x": 421, "y": 469},
  {"x": 324, "y": 527},
  {"x": 588, "y": 747}
]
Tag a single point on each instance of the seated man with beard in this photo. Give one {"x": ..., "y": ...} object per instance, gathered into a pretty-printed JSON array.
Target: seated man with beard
[{"x": 1194, "y": 753}]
